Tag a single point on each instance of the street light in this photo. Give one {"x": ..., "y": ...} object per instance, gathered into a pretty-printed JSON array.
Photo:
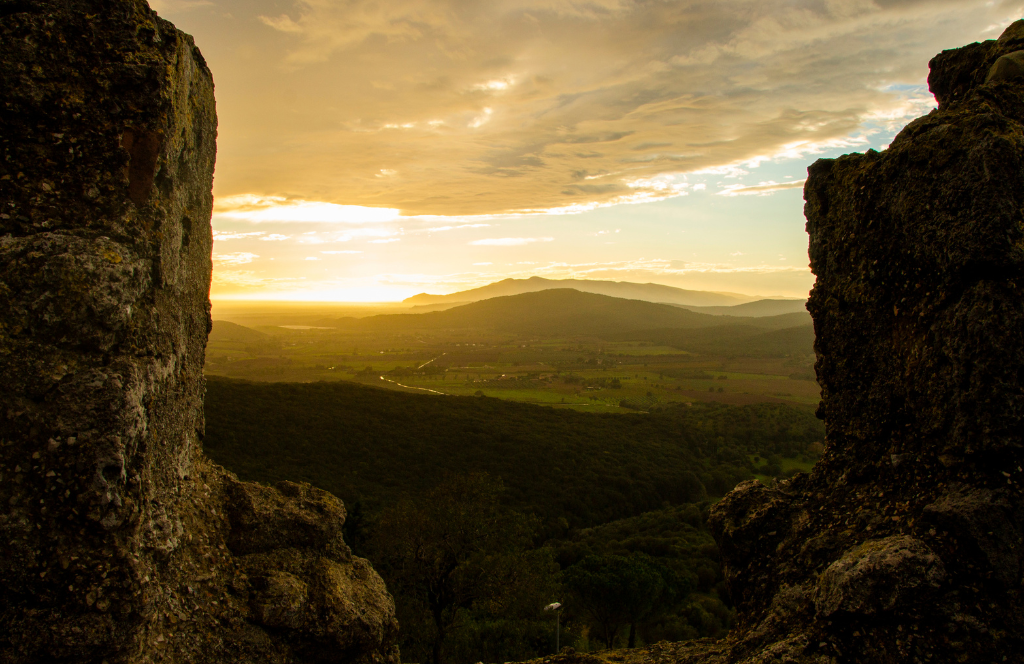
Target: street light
[{"x": 557, "y": 608}]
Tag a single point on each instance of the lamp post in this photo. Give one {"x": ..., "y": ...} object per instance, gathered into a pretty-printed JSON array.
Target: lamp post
[{"x": 556, "y": 607}]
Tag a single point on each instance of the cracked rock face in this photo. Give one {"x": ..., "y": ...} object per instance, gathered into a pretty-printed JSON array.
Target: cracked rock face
[
  {"x": 906, "y": 542},
  {"x": 119, "y": 541}
]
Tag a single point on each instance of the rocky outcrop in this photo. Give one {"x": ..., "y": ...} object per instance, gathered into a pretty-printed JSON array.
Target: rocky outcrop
[
  {"x": 119, "y": 541},
  {"x": 906, "y": 542}
]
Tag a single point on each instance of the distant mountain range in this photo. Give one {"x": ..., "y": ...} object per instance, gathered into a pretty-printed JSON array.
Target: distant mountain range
[
  {"x": 226, "y": 331},
  {"x": 623, "y": 289},
  {"x": 564, "y": 312},
  {"x": 754, "y": 309}
]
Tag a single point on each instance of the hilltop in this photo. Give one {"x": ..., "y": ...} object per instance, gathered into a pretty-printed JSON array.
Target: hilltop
[
  {"x": 755, "y": 309},
  {"x": 226, "y": 331},
  {"x": 648, "y": 292},
  {"x": 559, "y": 347},
  {"x": 562, "y": 312}
]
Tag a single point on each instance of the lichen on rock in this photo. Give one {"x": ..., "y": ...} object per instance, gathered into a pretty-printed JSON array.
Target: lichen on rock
[
  {"x": 119, "y": 540},
  {"x": 879, "y": 576}
]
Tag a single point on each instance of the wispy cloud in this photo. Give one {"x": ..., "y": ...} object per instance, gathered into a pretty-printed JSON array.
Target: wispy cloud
[
  {"x": 175, "y": 6},
  {"x": 224, "y": 236},
  {"x": 533, "y": 105},
  {"x": 257, "y": 209},
  {"x": 655, "y": 267},
  {"x": 761, "y": 189},
  {"x": 250, "y": 280},
  {"x": 237, "y": 258},
  {"x": 509, "y": 241},
  {"x": 441, "y": 229}
]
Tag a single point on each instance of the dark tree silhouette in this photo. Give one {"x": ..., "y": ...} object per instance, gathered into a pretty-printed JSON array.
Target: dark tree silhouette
[
  {"x": 450, "y": 550},
  {"x": 614, "y": 591}
]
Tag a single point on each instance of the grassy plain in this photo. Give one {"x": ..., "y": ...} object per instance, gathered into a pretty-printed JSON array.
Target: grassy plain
[{"x": 581, "y": 373}]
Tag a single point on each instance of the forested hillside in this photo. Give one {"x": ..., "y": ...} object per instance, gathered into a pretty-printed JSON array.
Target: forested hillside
[
  {"x": 372, "y": 445},
  {"x": 603, "y": 512}
]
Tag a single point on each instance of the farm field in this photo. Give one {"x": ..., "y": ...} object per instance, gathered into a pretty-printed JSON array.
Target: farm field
[{"x": 585, "y": 374}]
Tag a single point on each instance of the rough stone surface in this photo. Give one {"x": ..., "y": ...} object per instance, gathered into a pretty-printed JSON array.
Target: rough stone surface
[
  {"x": 879, "y": 576},
  {"x": 119, "y": 541},
  {"x": 906, "y": 542}
]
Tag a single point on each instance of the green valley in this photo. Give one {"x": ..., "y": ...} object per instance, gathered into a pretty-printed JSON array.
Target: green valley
[
  {"x": 622, "y": 494},
  {"x": 561, "y": 348}
]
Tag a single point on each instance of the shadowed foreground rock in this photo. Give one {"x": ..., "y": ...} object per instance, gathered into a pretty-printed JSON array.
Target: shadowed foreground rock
[
  {"x": 119, "y": 541},
  {"x": 905, "y": 543}
]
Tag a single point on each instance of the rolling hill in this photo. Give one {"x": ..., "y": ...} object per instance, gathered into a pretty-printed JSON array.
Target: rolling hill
[
  {"x": 624, "y": 289},
  {"x": 227, "y": 331},
  {"x": 561, "y": 312},
  {"x": 757, "y": 308},
  {"x": 731, "y": 340}
]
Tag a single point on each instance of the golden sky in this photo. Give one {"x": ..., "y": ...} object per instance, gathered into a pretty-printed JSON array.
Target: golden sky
[{"x": 373, "y": 150}]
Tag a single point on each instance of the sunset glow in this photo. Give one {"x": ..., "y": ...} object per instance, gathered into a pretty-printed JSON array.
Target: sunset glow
[{"x": 375, "y": 150}]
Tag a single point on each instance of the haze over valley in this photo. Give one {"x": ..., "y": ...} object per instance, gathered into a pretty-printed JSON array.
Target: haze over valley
[{"x": 559, "y": 347}]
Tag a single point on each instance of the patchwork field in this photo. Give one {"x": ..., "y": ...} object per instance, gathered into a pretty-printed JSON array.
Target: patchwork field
[{"x": 585, "y": 374}]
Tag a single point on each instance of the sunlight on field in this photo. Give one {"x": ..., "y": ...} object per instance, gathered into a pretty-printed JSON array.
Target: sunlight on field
[{"x": 583, "y": 374}]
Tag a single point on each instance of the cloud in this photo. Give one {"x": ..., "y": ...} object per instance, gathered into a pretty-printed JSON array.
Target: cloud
[
  {"x": 335, "y": 253},
  {"x": 257, "y": 209},
  {"x": 282, "y": 23},
  {"x": 165, "y": 7},
  {"x": 762, "y": 189},
  {"x": 509, "y": 241},
  {"x": 224, "y": 236},
  {"x": 237, "y": 258},
  {"x": 780, "y": 280},
  {"x": 497, "y": 107},
  {"x": 227, "y": 279},
  {"x": 441, "y": 229},
  {"x": 385, "y": 240},
  {"x": 655, "y": 268}
]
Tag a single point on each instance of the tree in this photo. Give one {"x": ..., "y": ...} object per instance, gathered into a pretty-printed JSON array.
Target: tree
[
  {"x": 614, "y": 591},
  {"x": 454, "y": 549}
]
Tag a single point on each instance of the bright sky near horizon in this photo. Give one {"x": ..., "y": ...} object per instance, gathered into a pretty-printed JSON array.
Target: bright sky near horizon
[{"x": 371, "y": 150}]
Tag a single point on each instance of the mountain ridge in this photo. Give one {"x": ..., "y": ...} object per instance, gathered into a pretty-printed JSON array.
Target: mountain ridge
[
  {"x": 649, "y": 292},
  {"x": 559, "y": 312},
  {"x": 755, "y": 309}
]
